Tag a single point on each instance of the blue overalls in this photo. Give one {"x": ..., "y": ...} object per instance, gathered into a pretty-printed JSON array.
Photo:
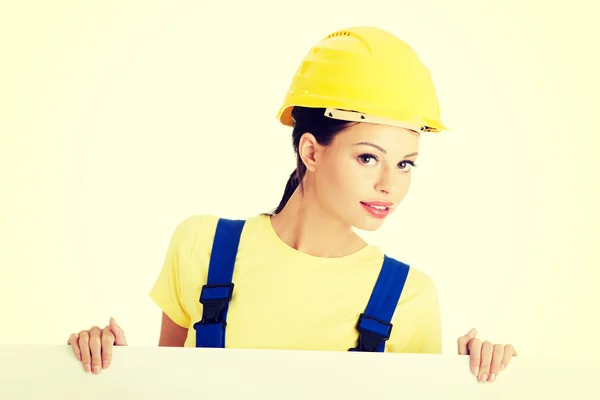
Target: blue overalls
[{"x": 373, "y": 326}]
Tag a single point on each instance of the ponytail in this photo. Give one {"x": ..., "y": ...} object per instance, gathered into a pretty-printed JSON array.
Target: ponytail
[{"x": 290, "y": 188}]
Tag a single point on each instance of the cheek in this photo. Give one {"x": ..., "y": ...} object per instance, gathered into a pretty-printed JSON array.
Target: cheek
[
  {"x": 406, "y": 182},
  {"x": 404, "y": 186},
  {"x": 341, "y": 180}
]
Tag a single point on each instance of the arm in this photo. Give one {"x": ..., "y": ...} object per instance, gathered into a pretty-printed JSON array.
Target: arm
[
  {"x": 167, "y": 291},
  {"x": 171, "y": 334}
]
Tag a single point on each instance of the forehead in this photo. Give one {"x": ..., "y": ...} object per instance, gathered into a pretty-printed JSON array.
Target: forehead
[{"x": 392, "y": 138}]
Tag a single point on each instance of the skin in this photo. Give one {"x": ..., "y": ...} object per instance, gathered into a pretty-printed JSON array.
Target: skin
[{"x": 338, "y": 178}]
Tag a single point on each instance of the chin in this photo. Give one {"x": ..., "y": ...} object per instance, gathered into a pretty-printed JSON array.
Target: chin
[{"x": 368, "y": 225}]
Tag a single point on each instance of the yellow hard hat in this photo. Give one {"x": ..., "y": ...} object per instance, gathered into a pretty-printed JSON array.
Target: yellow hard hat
[{"x": 365, "y": 74}]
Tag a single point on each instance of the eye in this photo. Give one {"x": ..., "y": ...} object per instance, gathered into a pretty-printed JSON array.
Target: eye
[
  {"x": 406, "y": 165},
  {"x": 365, "y": 158}
]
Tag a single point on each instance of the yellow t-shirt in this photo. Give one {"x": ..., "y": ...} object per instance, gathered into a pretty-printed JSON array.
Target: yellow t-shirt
[{"x": 286, "y": 299}]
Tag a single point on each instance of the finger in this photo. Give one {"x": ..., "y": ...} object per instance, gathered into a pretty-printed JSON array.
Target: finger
[
  {"x": 463, "y": 342},
  {"x": 118, "y": 332},
  {"x": 486, "y": 358},
  {"x": 475, "y": 352},
  {"x": 108, "y": 340},
  {"x": 84, "y": 348},
  {"x": 74, "y": 342},
  {"x": 509, "y": 352},
  {"x": 497, "y": 356},
  {"x": 96, "y": 349}
]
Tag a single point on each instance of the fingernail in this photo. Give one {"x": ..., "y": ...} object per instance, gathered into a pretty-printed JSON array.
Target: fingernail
[
  {"x": 492, "y": 377},
  {"x": 476, "y": 371},
  {"x": 502, "y": 367},
  {"x": 96, "y": 369},
  {"x": 471, "y": 332},
  {"x": 87, "y": 367},
  {"x": 104, "y": 364},
  {"x": 483, "y": 378}
]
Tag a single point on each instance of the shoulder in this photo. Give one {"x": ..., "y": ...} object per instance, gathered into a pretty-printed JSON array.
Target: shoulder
[
  {"x": 418, "y": 284},
  {"x": 419, "y": 301},
  {"x": 193, "y": 223},
  {"x": 420, "y": 281},
  {"x": 201, "y": 228},
  {"x": 191, "y": 229}
]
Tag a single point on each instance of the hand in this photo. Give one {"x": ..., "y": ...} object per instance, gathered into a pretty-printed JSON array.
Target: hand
[
  {"x": 487, "y": 359},
  {"x": 94, "y": 347}
]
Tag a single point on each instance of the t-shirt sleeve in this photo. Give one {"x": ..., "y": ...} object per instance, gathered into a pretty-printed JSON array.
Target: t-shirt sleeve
[
  {"x": 429, "y": 321},
  {"x": 417, "y": 318},
  {"x": 167, "y": 290}
]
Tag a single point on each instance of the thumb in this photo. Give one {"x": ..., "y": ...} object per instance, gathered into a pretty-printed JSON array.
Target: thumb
[
  {"x": 463, "y": 342},
  {"x": 118, "y": 332}
]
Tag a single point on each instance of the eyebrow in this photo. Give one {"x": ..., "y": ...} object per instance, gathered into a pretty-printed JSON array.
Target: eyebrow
[{"x": 381, "y": 149}]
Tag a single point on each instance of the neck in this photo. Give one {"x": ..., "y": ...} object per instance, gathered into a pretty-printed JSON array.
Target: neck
[{"x": 305, "y": 226}]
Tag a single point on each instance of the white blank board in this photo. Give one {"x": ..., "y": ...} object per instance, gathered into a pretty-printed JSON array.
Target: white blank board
[{"x": 52, "y": 372}]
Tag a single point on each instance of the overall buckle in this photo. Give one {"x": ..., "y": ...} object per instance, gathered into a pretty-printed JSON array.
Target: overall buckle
[
  {"x": 372, "y": 332},
  {"x": 214, "y": 299}
]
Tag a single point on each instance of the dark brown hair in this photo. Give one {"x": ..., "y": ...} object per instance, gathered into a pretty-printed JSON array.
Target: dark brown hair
[{"x": 324, "y": 129}]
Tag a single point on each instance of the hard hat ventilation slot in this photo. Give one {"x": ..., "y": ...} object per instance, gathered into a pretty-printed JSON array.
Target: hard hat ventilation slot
[{"x": 340, "y": 33}]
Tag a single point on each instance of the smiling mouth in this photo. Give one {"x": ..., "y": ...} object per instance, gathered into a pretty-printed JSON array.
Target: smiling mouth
[
  {"x": 376, "y": 211},
  {"x": 379, "y": 205},
  {"x": 383, "y": 208}
]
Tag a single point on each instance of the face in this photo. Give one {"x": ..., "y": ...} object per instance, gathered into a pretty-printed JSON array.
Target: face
[{"x": 363, "y": 175}]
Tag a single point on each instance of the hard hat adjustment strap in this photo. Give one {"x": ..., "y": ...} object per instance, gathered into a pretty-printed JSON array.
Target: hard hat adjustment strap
[{"x": 352, "y": 116}]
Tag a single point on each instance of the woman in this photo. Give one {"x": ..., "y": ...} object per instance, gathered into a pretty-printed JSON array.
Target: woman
[{"x": 300, "y": 277}]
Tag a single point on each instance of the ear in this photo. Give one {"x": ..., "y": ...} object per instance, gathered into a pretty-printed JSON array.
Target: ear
[{"x": 307, "y": 150}]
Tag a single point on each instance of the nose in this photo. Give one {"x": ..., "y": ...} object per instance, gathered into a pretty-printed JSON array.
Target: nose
[{"x": 388, "y": 182}]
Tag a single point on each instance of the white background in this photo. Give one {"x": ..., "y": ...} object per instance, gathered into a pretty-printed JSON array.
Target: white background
[{"x": 119, "y": 119}]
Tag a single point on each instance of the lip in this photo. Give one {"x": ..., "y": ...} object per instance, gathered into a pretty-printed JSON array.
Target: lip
[
  {"x": 379, "y": 203},
  {"x": 377, "y": 213}
]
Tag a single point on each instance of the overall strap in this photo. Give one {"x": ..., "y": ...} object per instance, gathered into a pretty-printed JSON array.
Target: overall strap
[
  {"x": 374, "y": 325},
  {"x": 217, "y": 293}
]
